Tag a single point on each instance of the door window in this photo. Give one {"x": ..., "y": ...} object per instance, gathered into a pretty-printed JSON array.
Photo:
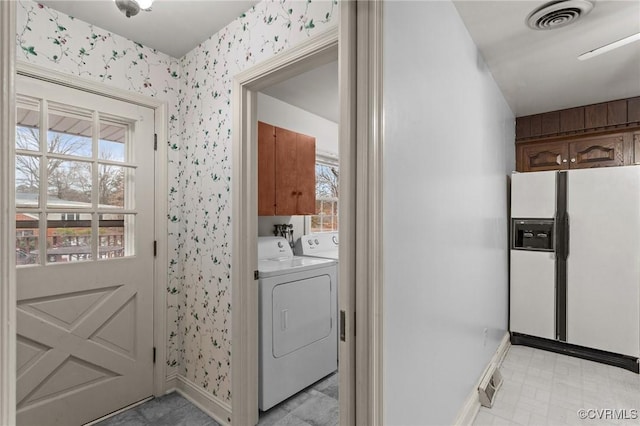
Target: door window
[{"x": 75, "y": 178}]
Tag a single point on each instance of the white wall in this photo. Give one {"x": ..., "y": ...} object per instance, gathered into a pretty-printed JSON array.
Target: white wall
[
  {"x": 448, "y": 147},
  {"x": 274, "y": 111},
  {"x": 265, "y": 225}
]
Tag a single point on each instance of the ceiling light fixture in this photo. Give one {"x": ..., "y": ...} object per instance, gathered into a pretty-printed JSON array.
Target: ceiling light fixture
[
  {"x": 132, "y": 7},
  {"x": 609, "y": 47}
]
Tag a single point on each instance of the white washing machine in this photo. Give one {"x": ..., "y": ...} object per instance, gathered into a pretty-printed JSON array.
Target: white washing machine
[
  {"x": 324, "y": 245},
  {"x": 298, "y": 321}
]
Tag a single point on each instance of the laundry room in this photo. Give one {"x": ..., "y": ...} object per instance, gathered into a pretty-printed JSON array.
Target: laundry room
[{"x": 298, "y": 183}]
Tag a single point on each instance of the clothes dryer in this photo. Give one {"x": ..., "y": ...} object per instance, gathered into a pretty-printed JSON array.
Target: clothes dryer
[{"x": 298, "y": 320}]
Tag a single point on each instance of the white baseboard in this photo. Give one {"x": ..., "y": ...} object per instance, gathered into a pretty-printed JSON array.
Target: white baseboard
[
  {"x": 471, "y": 406},
  {"x": 171, "y": 383},
  {"x": 219, "y": 410}
]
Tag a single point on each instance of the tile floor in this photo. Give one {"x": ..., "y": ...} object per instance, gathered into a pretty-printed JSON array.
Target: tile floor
[
  {"x": 544, "y": 388},
  {"x": 167, "y": 410},
  {"x": 316, "y": 405},
  {"x": 539, "y": 388}
]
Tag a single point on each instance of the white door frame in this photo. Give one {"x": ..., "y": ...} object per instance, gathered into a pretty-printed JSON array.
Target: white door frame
[
  {"x": 368, "y": 222},
  {"x": 358, "y": 43},
  {"x": 244, "y": 362},
  {"x": 7, "y": 215},
  {"x": 161, "y": 197}
]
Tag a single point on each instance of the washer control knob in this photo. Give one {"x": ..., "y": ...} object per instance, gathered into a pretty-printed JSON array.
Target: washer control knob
[
  {"x": 310, "y": 242},
  {"x": 280, "y": 245},
  {"x": 335, "y": 240},
  {"x": 317, "y": 242}
]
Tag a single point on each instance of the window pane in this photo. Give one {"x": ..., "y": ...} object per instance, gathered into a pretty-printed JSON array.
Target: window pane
[
  {"x": 28, "y": 125},
  {"x": 112, "y": 142},
  {"x": 69, "y": 184},
  {"x": 116, "y": 235},
  {"x": 326, "y": 181},
  {"x": 27, "y": 239},
  {"x": 69, "y": 135},
  {"x": 68, "y": 237},
  {"x": 27, "y": 181},
  {"x": 326, "y": 217},
  {"x": 112, "y": 185}
]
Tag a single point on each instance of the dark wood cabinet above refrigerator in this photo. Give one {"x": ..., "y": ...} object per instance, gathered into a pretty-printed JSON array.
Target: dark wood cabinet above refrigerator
[{"x": 599, "y": 135}]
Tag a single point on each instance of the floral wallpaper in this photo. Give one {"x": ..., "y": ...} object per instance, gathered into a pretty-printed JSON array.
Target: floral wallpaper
[
  {"x": 59, "y": 42},
  {"x": 205, "y": 176},
  {"x": 197, "y": 89}
]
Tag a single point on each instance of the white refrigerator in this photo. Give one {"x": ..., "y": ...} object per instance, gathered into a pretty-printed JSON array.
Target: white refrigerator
[{"x": 575, "y": 261}]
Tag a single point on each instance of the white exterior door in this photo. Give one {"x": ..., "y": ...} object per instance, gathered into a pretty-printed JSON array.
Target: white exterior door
[{"x": 84, "y": 249}]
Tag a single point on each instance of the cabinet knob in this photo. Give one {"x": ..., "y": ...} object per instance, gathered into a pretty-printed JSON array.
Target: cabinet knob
[
  {"x": 573, "y": 160},
  {"x": 564, "y": 160}
]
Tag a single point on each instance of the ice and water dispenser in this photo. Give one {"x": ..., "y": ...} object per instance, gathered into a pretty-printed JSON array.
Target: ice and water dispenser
[{"x": 532, "y": 234}]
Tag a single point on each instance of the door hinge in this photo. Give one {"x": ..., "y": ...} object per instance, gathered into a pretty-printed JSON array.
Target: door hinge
[
  {"x": 155, "y": 141},
  {"x": 154, "y": 354},
  {"x": 256, "y": 275},
  {"x": 155, "y": 248}
]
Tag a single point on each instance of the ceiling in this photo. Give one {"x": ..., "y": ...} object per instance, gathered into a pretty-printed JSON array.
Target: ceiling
[
  {"x": 315, "y": 91},
  {"x": 173, "y": 27},
  {"x": 538, "y": 71}
]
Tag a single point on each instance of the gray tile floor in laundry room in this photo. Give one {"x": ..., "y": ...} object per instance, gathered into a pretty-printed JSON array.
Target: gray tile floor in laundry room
[{"x": 317, "y": 405}]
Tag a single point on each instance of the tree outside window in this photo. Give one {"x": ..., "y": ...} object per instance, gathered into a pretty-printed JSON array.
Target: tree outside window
[{"x": 326, "y": 217}]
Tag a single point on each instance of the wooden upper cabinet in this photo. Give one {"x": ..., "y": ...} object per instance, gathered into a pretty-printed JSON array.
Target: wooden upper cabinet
[
  {"x": 585, "y": 120},
  {"x": 542, "y": 156},
  {"x": 596, "y": 151},
  {"x": 286, "y": 172},
  {"x": 598, "y": 135},
  {"x": 602, "y": 151}
]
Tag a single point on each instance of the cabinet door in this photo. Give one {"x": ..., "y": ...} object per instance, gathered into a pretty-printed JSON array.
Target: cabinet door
[
  {"x": 542, "y": 156},
  {"x": 286, "y": 172},
  {"x": 266, "y": 170},
  {"x": 600, "y": 151},
  {"x": 295, "y": 173},
  {"x": 306, "y": 203}
]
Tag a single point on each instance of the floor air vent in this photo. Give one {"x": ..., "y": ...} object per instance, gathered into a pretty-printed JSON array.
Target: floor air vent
[{"x": 489, "y": 386}]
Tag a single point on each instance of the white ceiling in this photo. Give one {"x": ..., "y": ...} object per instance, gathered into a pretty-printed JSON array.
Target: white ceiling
[
  {"x": 538, "y": 71},
  {"x": 173, "y": 27},
  {"x": 315, "y": 91}
]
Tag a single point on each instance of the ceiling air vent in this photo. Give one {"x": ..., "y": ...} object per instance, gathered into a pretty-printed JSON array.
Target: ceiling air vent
[{"x": 557, "y": 14}]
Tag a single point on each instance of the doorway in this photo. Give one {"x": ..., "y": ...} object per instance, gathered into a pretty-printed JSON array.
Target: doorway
[
  {"x": 298, "y": 122},
  {"x": 84, "y": 253},
  {"x": 315, "y": 53}
]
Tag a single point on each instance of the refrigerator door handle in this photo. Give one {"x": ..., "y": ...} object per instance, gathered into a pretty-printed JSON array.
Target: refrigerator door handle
[
  {"x": 566, "y": 236},
  {"x": 562, "y": 237}
]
